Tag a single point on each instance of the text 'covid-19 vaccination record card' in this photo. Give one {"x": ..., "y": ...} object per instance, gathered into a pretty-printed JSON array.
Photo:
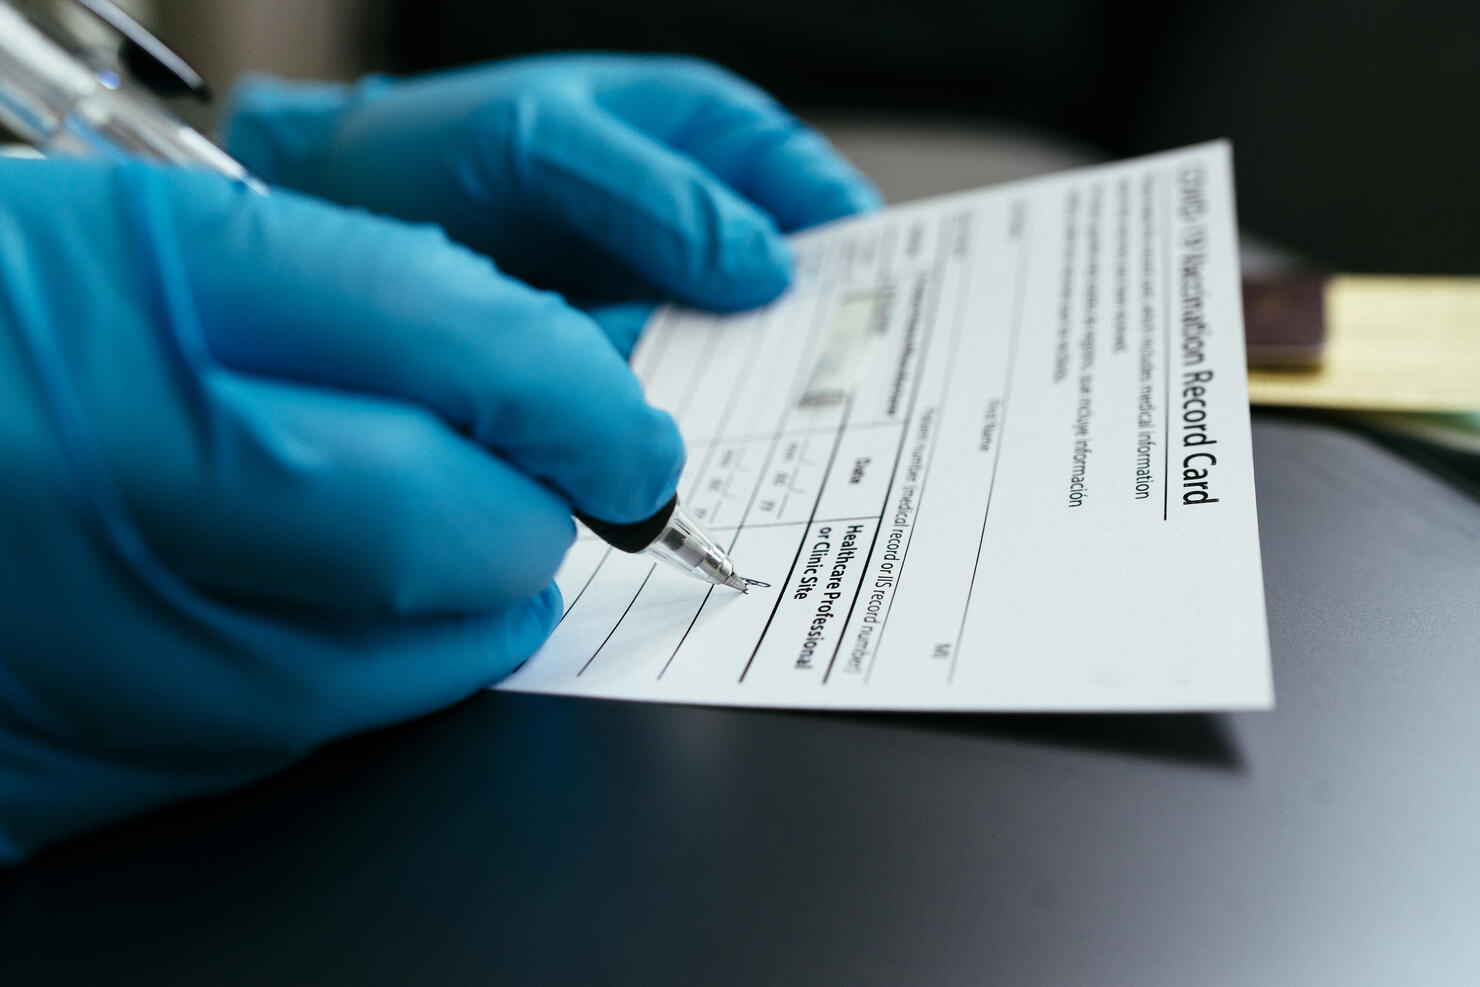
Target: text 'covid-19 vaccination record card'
[{"x": 990, "y": 451}]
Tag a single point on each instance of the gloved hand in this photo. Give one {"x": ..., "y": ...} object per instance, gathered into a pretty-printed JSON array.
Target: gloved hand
[
  {"x": 274, "y": 472},
  {"x": 605, "y": 177}
]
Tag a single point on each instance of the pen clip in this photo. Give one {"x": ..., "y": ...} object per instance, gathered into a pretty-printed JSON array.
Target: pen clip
[{"x": 147, "y": 58}]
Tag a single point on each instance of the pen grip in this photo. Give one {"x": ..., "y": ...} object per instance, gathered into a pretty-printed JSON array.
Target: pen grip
[{"x": 633, "y": 537}]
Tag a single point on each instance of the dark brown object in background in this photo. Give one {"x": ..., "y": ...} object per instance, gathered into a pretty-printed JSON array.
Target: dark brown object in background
[{"x": 1285, "y": 320}]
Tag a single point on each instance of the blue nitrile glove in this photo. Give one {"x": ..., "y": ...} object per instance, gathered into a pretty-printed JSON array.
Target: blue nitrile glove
[
  {"x": 274, "y": 472},
  {"x": 606, "y": 177}
]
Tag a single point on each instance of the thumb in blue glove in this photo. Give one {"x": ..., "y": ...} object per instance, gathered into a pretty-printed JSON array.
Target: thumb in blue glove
[
  {"x": 606, "y": 177},
  {"x": 275, "y": 473}
]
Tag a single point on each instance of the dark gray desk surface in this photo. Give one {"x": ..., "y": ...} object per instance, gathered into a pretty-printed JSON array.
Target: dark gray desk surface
[{"x": 532, "y": 839}]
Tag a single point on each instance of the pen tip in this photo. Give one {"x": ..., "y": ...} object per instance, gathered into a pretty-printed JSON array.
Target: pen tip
[{"x": 737, "y": 581}]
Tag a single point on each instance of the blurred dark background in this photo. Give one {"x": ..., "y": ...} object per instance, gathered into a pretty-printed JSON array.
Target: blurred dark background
[{"x": 1355, "y": 125}]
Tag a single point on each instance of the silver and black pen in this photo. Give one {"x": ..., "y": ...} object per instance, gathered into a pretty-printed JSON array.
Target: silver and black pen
[{"x": 674, "y": 535}]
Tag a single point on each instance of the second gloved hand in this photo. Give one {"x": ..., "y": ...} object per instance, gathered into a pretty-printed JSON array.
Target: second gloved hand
[
  {"x": 274, "y": 472},
  {"x": 606, "y": 177}
]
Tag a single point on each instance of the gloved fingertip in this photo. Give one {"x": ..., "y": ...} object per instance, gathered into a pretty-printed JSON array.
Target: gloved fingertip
[
  {"x": 755, "y": 269},
  {"x": 659, "y": 457},
  {"x": 773, "y": 274},
  {"x": 520, "y": 632},
  {"x": 666, "y": 459},
  {"x": 622, "y": 324},
  {"x": 546, "y": 609},
  {"x": 645, "y": 457},
  {"x": 842, "y": 199},
  {"x": 275, "y": 127},
  {"x": 863, "y": 197}
]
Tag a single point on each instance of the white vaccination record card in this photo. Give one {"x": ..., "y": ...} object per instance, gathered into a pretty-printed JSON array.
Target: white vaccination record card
[{"x": 1030, "y": 489}]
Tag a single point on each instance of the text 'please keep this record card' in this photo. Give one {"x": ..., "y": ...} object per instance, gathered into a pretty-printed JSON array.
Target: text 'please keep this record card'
[{"x": 990, "y": 451}]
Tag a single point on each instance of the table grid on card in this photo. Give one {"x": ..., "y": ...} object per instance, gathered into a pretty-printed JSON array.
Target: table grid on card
[{"x": 766, "y": 464}]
